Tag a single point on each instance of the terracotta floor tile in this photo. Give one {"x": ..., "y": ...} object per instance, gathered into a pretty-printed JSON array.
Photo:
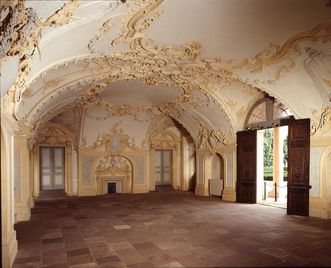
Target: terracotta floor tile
[
  {"x": 80, "y": 259},
  {"x": 54, "y": 259},
  {"x": 78, "y": 252},
  {"x": 169, "y": 229},
  {"x": 108, "y": 259},
  {"x": 130, "y": 256}
]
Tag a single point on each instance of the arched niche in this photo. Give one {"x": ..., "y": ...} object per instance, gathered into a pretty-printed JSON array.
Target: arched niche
[
  {"x": 113, "y": 169},
  {"x": 214, "y": 170}
]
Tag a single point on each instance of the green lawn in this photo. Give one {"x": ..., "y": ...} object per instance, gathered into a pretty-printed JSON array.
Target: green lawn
[{"x": 268, "y": 173}]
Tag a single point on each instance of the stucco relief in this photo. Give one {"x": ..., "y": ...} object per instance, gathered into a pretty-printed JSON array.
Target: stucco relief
[
  {"x": 176, "y": 66},
  {"x": 161, "y": 64},
  {"x": 113, "y": 168},
  {"x": 321, "y": 123},
  {"x": 22, "y": 34},
  {"x": 113, "y": 165},
  {"x": 53, "y": 134},
  {"x": 114, "y": 141},
  {"x": 318, "y": 66},
  {"x": 164, "y": 140}
]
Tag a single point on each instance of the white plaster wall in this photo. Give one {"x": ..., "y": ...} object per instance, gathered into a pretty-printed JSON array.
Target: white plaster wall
[
  {"x": 74, "y": 170},
  {"x": 229, "y": 170},
  {"x": 216, "y": 166},
  {"x": 315, "y": 175}
]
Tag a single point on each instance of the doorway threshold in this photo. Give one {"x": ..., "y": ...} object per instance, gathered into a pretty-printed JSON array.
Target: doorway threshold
[{"x": 272, "y": 203}]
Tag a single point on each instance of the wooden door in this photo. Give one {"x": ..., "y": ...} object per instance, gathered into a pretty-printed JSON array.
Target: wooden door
[
  {"x": 51, "y": 168},
  {"x": 163, "y": 167},
  {"x": 298, "y": 167},
  {"x": 246, "y": 167}
]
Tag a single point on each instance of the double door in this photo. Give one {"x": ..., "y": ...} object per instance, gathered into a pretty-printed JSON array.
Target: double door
[
  {"x": 298, "y": 167},
  {"x": 163, "y": 167},
  {"x": 51, "y": 168}
]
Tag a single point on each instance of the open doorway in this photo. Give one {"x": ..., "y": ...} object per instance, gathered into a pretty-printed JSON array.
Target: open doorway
[
  {"x": 272, "y": 165},
  {"x": 251, "y": 172}
]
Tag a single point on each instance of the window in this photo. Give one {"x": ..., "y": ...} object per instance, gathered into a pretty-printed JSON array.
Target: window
[{"x": 266, "y": 113}]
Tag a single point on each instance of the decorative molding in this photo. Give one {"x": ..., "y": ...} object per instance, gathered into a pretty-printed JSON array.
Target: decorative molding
[
  {"x": 113, "y": 165},
  {"x": 53, "y": 134},
  {"x": 180, "y": 67},
  {"x": 115, "y": 141},
  {"x": 319, "y": 69},
  {"x": 114, "y": 168},
  {"x": 321, "y": 122},
  {"x": 24, "y": 43},
  {"x": 165, "y": 140}
]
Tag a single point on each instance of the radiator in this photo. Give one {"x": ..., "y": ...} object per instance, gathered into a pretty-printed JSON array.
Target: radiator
[{"x": 215, "y": 187}]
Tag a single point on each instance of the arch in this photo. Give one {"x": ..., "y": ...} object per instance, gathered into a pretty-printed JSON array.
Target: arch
[
  {"x": 66, "y": 92},
  {"x": 113, "y": 167},
  {"x": 263, "y": 114}
]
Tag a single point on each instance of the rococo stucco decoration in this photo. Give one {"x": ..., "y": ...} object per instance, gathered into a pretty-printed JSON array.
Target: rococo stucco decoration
[
  {"x": 322, "y": 124},
  {"x": 21, "y": 33},
  {"x": 113, "y": 165},
  {"x": 134, "y": 57},
  {"x": 115, "y": 141}
]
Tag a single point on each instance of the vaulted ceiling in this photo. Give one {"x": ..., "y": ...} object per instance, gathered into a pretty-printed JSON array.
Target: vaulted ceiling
[{"x": 202, "y": 62}]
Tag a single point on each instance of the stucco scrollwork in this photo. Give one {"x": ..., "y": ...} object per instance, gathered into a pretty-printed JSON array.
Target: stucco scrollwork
[
  {"x": 321, "y": 122},
  {"x": 211, "y": 139},
  {"x": 164, "y": 140},
  {"x": 319, "y": 68},
  {"x": 114, "y": 141},
  {"x": 21, "y": 33},
  {"x": 53, "y": 134},
  {"x": 113, "y": 165}
]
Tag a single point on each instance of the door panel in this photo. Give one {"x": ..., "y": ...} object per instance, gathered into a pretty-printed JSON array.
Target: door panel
[
  {"x": 167, "y": 166},
  {"x": 163, "y": 167},
  {"x": 46, "y": 167},
  {"x": 158, "y": 167},
  {"x": 58, "y": 170},
  {"x": 246, "y": 167},
  {"x": 51, "y": 168},
  {"x": 298, "y": 167}
]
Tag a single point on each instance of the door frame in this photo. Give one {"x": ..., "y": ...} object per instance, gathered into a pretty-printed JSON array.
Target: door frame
[
  {"x": 166, "y": 140},
  {"x": 171, "y": 169},
  {"x": 283, "y": 122},
  {"x": 67, "y": 168},
  {"x": 63, "y": 162}
]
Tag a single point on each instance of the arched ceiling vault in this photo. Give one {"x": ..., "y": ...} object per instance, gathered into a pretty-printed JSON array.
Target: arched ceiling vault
[{"x": 205, "y": 74}]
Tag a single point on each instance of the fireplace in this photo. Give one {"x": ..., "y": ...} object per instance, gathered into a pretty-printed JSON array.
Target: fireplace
[{"x": 111, "y": 187}]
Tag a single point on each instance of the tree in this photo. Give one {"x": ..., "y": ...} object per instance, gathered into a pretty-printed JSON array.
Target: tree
[
  {"x": 268, "y": 147},
  {"x": 285, "y": 151}
]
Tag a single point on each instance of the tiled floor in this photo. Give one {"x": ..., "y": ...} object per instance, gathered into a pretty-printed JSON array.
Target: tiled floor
[{"x": 168, "y": 229}]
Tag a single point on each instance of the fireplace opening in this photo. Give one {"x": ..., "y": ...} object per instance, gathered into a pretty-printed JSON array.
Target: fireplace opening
[{"x": 111, "y": 187}]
